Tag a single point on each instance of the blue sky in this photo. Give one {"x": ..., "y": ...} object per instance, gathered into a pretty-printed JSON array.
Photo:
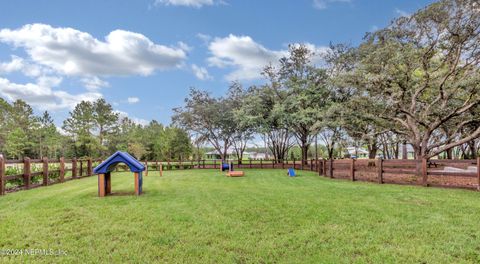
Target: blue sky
[{"x": 142, "y": 56}]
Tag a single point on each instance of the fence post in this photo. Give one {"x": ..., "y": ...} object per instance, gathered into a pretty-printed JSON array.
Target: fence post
[
  {"x": 478, "y": 173},
  {"x": 261, "y": 164},
  {"x": 26, "y": 172},
  {"x": 380, "y": 170},
  {"x": 203, "y": 163},
  {"x": 294, "y": 163},
  {"x": 146, "y": 167},
  {"x": 424, "y": 172},
  {"x": 320, "y": 169},
  {"x": 215, "y": 164},
  {"x": 80, "y": 170},
  {"x": 2, "y": 176},
  {"x": 74, "y": 168},
  {"x": 331, "y": 168},
  {"x": 311, "y": 164},
  {"x": 89, "y": 167},
  {"x": 250, "y": 163},
  {"x": 45, "y": 171},
  {"x": 161, "y": 169},
  {"x": 352, "y": 169},
  {"x": 62, "y": 169},
  {"x": 324, "y": 167},
  {"x": 273, "y": 164}
]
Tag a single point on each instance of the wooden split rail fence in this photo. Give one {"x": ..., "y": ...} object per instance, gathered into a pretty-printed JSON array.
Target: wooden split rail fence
[
  {"x": 33, "y": 173},
  {"x": 443, "y": 173}
]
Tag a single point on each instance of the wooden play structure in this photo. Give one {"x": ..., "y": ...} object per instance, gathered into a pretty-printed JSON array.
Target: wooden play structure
[
  {"x": 230, "y": 172},
  {"x": 105, "y": 168}
]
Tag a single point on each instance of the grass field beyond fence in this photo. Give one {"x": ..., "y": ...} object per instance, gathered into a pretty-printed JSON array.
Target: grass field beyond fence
[{"x": 201, "y": 216}]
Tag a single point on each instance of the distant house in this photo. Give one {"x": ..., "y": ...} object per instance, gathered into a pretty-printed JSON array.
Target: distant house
[
  {"x": 215, "y": 155},
  {"x": 257, "y": 156},
  {"x": 361, "y": 153},
  {"x": 357, "y": 153}
]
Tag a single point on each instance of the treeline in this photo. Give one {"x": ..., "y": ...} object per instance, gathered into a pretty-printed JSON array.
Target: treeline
[
  {"x": 93, "y": 129},
  {"x": 414, "y": 82}
]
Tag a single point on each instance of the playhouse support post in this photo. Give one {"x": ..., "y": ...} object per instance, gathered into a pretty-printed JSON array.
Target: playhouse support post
[
  {"x": 101, "y": 185},
  {"x": 108, "y": 183},
  {"x": 138, "y": 183}
]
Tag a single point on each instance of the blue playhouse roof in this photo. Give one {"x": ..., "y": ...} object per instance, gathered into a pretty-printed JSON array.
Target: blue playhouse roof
[{"x": 119, "y": 157}]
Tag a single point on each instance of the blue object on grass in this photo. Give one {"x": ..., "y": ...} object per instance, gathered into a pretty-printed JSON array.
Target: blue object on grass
[
  {"x": 291, "y": 172},
  {"x": 226, "y": 166}
]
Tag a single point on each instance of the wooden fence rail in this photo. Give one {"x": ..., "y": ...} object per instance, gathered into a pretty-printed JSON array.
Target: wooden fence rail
[{"x": 32, "y": 173}]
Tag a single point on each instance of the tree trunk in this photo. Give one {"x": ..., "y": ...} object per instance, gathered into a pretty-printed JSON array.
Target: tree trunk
[{"x": 372, "y": 151}]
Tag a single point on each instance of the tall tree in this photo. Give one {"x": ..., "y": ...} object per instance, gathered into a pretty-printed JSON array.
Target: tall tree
[
  {"x": 237, "y": 97},
  {"x": 79, "y": 126},
  {"x": 106, "y": 121},
  {"x": 307, "y": 94},
  {"x": 47, "y": 134},
  {"x": 426, "y": 69},
  {"x": 207, "y": 116},
  {"x": 16, "y": 143}
]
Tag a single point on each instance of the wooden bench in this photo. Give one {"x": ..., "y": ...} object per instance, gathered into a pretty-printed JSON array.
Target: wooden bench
[{"x": 235, "y": 173}]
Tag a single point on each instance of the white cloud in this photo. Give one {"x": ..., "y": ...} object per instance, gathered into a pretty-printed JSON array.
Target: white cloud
[
  {"x": 94, "y": 83},
  {"x": 184, "y": 46},
  {"x": 247, "y": 57},
  {"x": 27, "y": 68},
  {"x": 72, "y": 52},
  {"x": 140, "y": 121},
  {"x": 133, "y": 100},
  {"x": 204, "y": 38},
  {"x": 188, "y": 3},
  {"x": 201, "y": 72},
  {"x": 241, "y": 52},
  {"x": 323, "y": 4},
  {"x": 16, "y": 64},
  {"x": 41, "y": 94}
]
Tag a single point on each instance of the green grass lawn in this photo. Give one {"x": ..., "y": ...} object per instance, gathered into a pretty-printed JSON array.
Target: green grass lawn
[{"x": 202, "y": 216}]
